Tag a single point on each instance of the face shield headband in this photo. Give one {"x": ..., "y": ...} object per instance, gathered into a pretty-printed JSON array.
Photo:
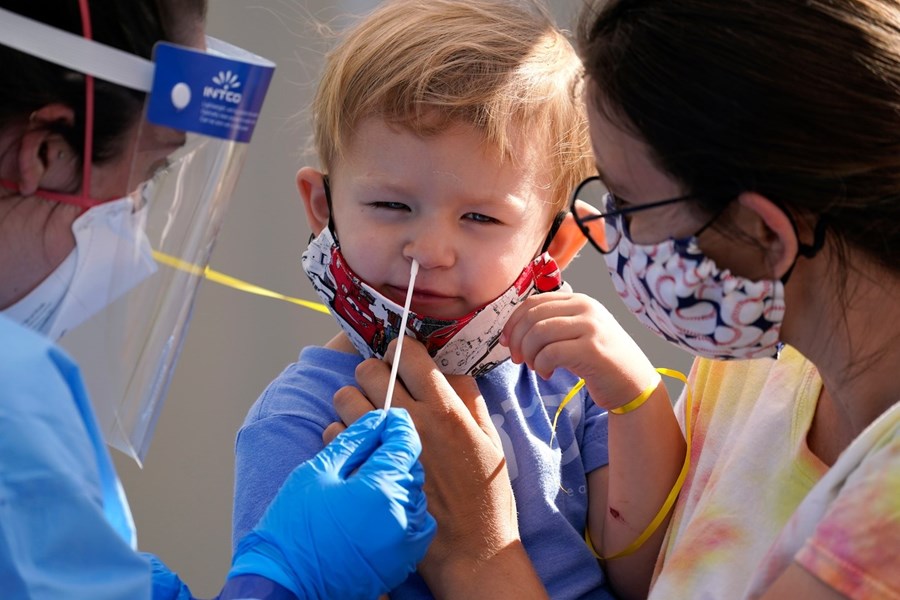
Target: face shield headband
[
  {"x": 79, "y": 54},
  {"x": 139, "y": 259}
]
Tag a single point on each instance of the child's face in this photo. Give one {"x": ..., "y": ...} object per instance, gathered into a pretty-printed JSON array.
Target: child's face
[{"x": 472, "y": 222}]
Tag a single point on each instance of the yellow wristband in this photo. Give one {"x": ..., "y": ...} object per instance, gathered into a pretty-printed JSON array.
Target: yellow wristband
[{"x": 637, "y": 402}]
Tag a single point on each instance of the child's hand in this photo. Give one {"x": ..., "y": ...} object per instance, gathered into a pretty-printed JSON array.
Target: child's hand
[{"x": 575, "y": 332}]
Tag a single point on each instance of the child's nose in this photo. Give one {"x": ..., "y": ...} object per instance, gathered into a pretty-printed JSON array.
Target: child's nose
[{"x": 432, "y": 250}]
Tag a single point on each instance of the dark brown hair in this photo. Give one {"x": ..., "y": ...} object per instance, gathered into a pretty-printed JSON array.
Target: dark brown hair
[
  {"x": 28, "y": 83},
  {"x": 798, "y": 100}
]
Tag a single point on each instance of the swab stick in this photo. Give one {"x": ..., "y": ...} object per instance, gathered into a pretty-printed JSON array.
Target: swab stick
[{"x": 413, "y": 270}]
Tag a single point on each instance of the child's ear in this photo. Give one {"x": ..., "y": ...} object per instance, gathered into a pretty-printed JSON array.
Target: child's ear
[
  {"x": 567, "y": 242},
  {"x": 44, "y": 158},
  {"x": 311, "y": 184}
]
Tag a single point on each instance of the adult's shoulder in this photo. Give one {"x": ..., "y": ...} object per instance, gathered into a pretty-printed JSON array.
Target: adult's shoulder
[
  {"x": 40, "y": 393},
  {"x": 789, "y": 366},
  {"x": 31, "y": 361},
  {"x": 728, "y": 391},
  {"x": 20, "y": 345}
]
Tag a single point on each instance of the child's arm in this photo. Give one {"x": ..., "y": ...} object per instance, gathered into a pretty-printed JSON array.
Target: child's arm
[
  {"x": 284, "y": 429},
  {"x": 646, "y": 446}
]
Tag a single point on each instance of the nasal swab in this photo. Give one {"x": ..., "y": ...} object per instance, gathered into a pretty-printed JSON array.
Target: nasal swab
[{"x": 413, "y": 270}]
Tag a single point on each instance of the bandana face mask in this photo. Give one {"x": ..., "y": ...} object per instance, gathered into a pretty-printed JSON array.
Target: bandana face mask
[
  {"x": 681, "y": 295},
  {"x": 463, "y": 346}
]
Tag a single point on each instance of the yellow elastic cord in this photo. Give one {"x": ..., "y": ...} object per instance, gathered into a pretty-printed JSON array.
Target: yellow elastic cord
[
  {"x": 232, "y": 282},
  {"x": 630, "y": 406},
  {"x": 562, "y": 405},
  {"x": 676, "y": 488},
  {"x": 636, "y": 403}
]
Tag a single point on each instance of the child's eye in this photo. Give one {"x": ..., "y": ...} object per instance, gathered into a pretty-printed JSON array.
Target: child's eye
[
  {"x": 480, "y": 218},
  {"x": 390, "y": 205}
]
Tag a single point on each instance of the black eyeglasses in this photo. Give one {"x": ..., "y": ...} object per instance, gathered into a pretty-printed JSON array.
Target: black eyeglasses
[{"x": 592, "y": 191}]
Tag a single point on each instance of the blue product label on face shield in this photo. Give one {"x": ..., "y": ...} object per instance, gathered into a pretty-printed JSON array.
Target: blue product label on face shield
[{"x": 207, "y": 92}]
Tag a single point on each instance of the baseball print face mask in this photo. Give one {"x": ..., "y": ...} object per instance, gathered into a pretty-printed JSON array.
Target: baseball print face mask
[{"x": 681, "y": 295}]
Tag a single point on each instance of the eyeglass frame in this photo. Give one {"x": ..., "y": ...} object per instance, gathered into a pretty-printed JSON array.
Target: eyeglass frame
[
  {"x": 616, "y": 213},
  {"x": 805, "y": 250}
]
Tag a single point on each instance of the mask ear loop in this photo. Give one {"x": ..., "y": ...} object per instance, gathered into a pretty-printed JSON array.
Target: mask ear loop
[
  {"x": 557, "y": 222},
  {"x": 83, "y": 200},
  {"x": 806, "y": 250},
  {"x": 82, "y": 54},
  {"x": 87, "y": 160},
  {"x": 331, "y": 226}
]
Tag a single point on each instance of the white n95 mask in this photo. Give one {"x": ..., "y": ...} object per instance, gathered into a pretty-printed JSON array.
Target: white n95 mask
[
  {"x": 111, "y": 256},
  {"x": 463, "y": 346}
]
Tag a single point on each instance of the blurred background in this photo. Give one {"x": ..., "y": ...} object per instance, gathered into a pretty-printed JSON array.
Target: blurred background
[{"x": 238, "y": 343}]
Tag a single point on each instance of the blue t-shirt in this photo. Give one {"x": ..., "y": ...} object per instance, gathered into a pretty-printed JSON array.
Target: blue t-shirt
[{"x": 284, "y": 428}]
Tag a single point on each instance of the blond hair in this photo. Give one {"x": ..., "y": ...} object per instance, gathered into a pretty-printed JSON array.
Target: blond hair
[{"x": 499, "y": 66}]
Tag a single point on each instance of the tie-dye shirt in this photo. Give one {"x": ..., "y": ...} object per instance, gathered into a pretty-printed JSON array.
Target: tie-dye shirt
[{"x": 753, "y": 480}]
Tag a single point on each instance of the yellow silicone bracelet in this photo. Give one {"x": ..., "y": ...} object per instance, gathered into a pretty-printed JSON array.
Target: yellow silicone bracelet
[{"x": 637, "y": 402}]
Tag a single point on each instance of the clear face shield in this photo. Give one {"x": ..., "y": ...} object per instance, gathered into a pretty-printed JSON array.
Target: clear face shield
[{"x": 139, "y": 259}]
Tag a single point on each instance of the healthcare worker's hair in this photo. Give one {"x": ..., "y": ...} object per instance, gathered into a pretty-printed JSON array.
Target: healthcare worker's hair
[
  {"x": 28, "y": 83},
  {"x": 499, "y": 65},
  {"x": 798, "y": 100}
]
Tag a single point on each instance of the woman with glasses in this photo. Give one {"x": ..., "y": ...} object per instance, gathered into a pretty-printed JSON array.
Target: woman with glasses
[
  {"x": 750, "y": 155},
  {"x": 747, "y": 206}
]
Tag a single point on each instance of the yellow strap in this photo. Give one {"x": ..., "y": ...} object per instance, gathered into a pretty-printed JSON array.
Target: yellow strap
[
  {"x": 676, "y": 488},
  {"x": 562, "y": 405},
  {"x": 636, "y": 403},
  {"x": 630, "y": 406},
  {"x": 233, "y": 282}
]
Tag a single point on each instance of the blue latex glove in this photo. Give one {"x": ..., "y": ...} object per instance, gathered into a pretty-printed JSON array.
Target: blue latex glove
[
  {"x": 349, "y": 523},
  {"x": 166, "y": 583}
]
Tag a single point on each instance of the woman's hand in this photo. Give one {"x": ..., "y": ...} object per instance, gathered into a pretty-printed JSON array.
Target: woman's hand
[{"x": 477, "y": 551}]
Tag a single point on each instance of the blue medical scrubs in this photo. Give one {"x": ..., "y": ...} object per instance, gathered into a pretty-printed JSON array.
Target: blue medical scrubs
[
  {"x": 65, "y": 527},
  {"x": 66, "y": 531}
]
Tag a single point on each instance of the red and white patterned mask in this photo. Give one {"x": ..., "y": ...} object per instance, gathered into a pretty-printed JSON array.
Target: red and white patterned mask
[{"x": 463, "y": 346}]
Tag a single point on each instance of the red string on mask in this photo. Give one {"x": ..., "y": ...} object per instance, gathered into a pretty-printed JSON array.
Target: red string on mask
[
  {"x": 84, "y": 199},
  {"x": 87, "y": 32}
]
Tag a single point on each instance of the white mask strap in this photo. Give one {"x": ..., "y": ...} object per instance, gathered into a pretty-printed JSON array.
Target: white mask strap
[
  {"x": 395, "y": 364},
  {"x": 75, "y": 52}
]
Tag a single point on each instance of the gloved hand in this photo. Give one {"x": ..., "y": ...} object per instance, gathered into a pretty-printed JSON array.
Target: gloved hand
[
  {"x": 166, "y": 583},
  {"x": 335, "y": 533}
]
